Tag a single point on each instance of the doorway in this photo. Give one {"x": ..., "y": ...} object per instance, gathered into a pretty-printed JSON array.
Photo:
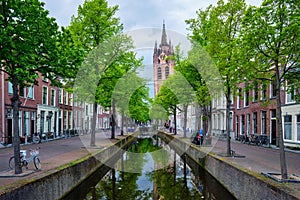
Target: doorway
[
  {"x": 9, "y": 131},
  {"x": 273, "y": 127}
]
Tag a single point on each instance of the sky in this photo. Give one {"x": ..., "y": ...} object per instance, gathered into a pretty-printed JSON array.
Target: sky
[
  {"x": 140, "y": 13},
  {"x": 143, "y": 19}
]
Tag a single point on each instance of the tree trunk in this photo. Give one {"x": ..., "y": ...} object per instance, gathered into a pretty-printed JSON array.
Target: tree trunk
[
  {"x": 93, "y": 131},
  {"x": 122, "y": 122},
  {"x": 113, "y": 122},
  {"x": 15, "y": 101},
  {"x": 198, "y": 118},
  {"x": 280, "y": 131},
  {"x": 175, "y": 122},
  {"x": 185, "y": 107},
  {"x": 228, "y": 103},
  {"x": 209, "y": 120}
]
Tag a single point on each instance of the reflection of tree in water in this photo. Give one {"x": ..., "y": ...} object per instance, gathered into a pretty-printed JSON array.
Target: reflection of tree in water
[
  {"x": 123, "y": 185},
  {"x": 168, "y": 188},
  {"x": 174, "y": 181}
]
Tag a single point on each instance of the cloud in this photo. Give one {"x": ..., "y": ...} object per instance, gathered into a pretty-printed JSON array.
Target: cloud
[
  {"x": 62, "y": 10},
  {"x": 139, "y": 13}
]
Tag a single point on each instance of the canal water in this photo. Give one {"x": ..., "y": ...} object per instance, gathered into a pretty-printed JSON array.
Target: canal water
[{"x": 142, "y": 175}]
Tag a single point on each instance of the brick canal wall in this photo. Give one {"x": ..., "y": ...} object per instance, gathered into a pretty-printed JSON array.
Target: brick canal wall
[
  {"x": 56, "y": 183},
  {"x": 242, "y": 183}
]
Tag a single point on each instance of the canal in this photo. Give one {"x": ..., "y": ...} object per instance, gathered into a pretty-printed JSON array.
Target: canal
[{"x": 150, "y": 169}]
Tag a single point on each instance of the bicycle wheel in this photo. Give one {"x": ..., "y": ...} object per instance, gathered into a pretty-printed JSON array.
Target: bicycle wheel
[
  {"x": 11, "y": 162},
  {"x": 36, "y": 139},
  {"x": 37, "y": 163}
]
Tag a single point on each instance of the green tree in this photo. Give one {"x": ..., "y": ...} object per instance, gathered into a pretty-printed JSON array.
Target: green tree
[
  {"x": 129, "y": 87},
  {"x": 176, "y": 92},
  {"x": 30, "y": 43},
  {"x": 125, "y": 63},
  {"x": 168, "y": 100},
  {"x": 94, "y": 25},
  {"x": 216, "y": 29},
  {"x": 139, "y": 105},
  {"x": 271, "y": 39},
  {"x": 197, "y": 83},
  {"x": 157, "y": 112}
]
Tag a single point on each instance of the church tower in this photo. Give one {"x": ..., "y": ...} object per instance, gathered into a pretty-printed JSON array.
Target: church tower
[{"x": 162, "y": 67}]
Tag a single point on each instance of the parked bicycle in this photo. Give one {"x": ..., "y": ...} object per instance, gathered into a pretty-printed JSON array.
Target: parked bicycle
[
  {"x": 253, "y": 138},
  {"x": 36, "y": 138},
  {"x": 34, "y": 157}
]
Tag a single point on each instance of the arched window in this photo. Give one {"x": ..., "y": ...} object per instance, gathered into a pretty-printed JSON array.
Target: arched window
[
  {"x": 167, "y": 72},
  {"x": 159, "y": 73}
]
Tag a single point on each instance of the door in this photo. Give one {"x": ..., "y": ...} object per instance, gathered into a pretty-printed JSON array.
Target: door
[
  {"x": 9, "y": 131},
  {"x": 273, "y": 127},
  {"x": 273, "y": 131}
]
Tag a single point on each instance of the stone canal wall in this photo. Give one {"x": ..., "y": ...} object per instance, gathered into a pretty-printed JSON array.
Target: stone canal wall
[
  {"x": 242, "y": 183},
  {"x": 54, "y": 184}
]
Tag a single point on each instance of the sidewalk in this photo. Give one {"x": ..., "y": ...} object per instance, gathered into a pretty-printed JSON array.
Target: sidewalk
[
  {"x": 261, "y": 159},
  {"x": 52, "y": 155}
]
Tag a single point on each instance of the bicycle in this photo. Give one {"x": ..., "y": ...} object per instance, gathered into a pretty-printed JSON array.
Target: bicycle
[
  {"x": 36, "y": 138},
  {"x": 34, "y": 157}
]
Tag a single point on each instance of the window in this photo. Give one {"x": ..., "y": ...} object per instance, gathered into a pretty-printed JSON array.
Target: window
[
  {"x": 167, "y": 71},
  {"x": 290, "y": 94},
  {"x": 273, "y": 91},
  {"x": 10, "y": 88},
  {"x": 255, "y": 93},
  {"x": 246, "y": 100},
  {"x": 42, "y": 122},
  {"x": 288, "y": 127},
  {"x": 33, "y": 114},
  {"x": 20, "y": 123},
  {"x": 231, "y": 99},
  {"x": 26, "y": 123},
  {"x": 159, "y": 73},
  {"x": 230, "y": 121},
  {"x": 22, "y": 92},
  {"x": 242, "y": 124},
  {"x": 254, "y": 124},
  {"x": 30, "y": 92},
  {"x": 71, "y": 99},
  {"x": 298, "y": 127},
  {"x": 238, "y": 99},
  {"x": 248, "y": 124},
  {"x": 52, "y": 101},
  {"x": 59, "y": 96},
  {"x": 237, "y": 124},
  {"x": 273, "y": 114},
  {"x": 45, "y": 95},
  {"x": 65, "y": 119},
  {"x": 65, "y": 98},
  {"x": 263, "y": 91},
  {"x": 69, "y": 120},
  {"x": 263, "y": 122}
]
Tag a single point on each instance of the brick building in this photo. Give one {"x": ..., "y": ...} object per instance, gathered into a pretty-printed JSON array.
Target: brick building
[
  {"x": 44, "y": 109},
  {"x": 255, "y": 112}
]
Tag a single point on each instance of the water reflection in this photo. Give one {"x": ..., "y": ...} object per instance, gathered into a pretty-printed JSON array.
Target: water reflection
[{"x": 180, "y": 178}]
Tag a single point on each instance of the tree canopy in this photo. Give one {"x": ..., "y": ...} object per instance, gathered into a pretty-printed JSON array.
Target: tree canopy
[
  {"x": 31, "y": 45},
  {"x": 270, "y": 39},
  {"x": 216, "y": 30}
]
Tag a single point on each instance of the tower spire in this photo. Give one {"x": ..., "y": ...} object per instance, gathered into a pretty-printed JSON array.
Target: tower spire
[
  {"x": 155, "y": 47},
  {"x": 164, "y": 35}
]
